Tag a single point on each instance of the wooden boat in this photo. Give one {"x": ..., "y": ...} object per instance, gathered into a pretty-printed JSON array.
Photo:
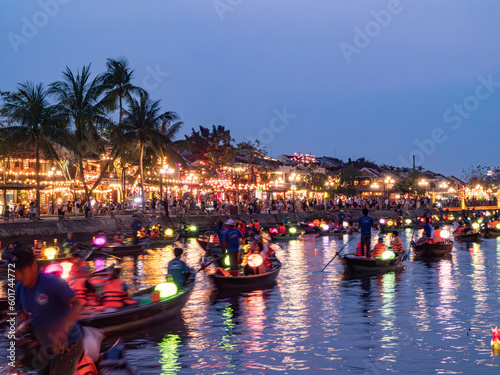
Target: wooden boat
[
  {"x": 428, "y": 250},
  {"x": 357, "y": 264},
  {"x": 468, "y": 237},
  {"x": 491, "y": 233},
  {"x": 119, "y": 250},
  {"x": 215, "y": 247},
  {"x": 282, "y": 238},
  {"x": 386, "y": 229},
  {"x": 307, "y": 229},
  {"x": 163, "y": 241},
  {"x": 323, "y": 233},
  {"x": 246, "y": 283},
  {"x": 134, "y": 317}
]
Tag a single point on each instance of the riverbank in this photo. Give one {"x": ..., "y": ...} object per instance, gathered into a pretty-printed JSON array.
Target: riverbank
[{"x": 52, "y": 226}]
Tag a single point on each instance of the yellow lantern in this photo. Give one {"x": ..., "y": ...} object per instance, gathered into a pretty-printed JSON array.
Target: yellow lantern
[
  {"x": 255, "y": 260},
  {"x": 50, "y": 253},
  {"x": 388, "y": 254},
  {"x": 169, "y": 232}
]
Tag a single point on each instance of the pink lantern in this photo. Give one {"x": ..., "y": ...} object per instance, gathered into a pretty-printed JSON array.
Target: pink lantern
[
  {"x": 54, "y": 268},
  {"x": 100, "y": 241}
]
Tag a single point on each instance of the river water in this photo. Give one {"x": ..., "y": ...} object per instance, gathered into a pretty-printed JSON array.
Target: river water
[{"x": 431, "y": 318}]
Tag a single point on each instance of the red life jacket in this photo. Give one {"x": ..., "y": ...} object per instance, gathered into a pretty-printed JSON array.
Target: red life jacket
[
  {"x": 398, "y": 246},
  {"x": 114, "y": 295},
  {"x": 281, "y": 229},
  {"x": 257, "y": 225},
  {"x": 86, "y": 366},
  {"x": 358, "y": 249},
  {"x": 378, "y": 250},
  {"x": 85, "y": 296}
]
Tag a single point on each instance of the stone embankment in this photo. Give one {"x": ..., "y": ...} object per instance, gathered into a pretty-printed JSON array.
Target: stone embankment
[{"x": 81, "y": 226}]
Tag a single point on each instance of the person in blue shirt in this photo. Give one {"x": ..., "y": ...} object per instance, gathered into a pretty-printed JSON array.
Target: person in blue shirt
[
  {"x": 231, "y": 240},
  {"x": 68, "y": 242},
  {"x": 220, "y": 229},
  {"x": 427, "y": 231},
  {"x": 178, "y": 269},
  {"x": 52, "y": 309},
  {"x": 365, "y": 226},
  {"x": 350, "y": 218},
  {"x": 341, "y": 218}
]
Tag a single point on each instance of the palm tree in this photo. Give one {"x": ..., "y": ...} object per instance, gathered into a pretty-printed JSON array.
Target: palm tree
[
  {"x": 117, "y": 81},
  {"x": 37, "y": 128},
  {"x": 151, "y": 130},
  {"x": 81, "y": 106}
]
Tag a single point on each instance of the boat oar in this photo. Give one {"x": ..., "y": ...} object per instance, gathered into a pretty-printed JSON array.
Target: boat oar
[
  {"x": 331, "y": 260},
  {"x": 206, "y": 265},
  {"x": 101, "y": 252}
]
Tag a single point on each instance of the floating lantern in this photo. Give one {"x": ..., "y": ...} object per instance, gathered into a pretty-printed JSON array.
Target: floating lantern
[
  {"x": 388, "y": 254},
  {"x": 408, "y": 221},
  {"x": 193, "y": 228},
  {"x": 166, "y": 289},
  {"x": 390, "y": 223},
  {"x": 292, "y": 230},
  {"x": 255, "y": 260},
  {"x": 381, "y": 221},
  {"x": 495, "y": 341},
  {"x": 54, "y": 268},
  {"x": 445, "y": 234},
  {"x": 325, "y": 227},
  {"x": 100, "y": 241},
  {"x": 50, "y": 253},
  {"x": 168, "y": 232},
  {"x": 475, "y": 226}
]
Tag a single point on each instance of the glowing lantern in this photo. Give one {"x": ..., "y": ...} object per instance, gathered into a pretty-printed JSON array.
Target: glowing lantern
[
  {"x": 390, "y": 223},
  {"x": 255, "y": 260},
  {"x": 408, "y": 221},
  {"x": 422, "y": 219},
  {"x": 475, "y": 226},
  {"x": 292, "y": 230},
  {"x": 227, "y": 261},
  {"x": 50, "y": 253},
  {"x": 452, "y": 217},
  {"x": 381, "y": 221},
  {"x": 480, "y": 221},
  {"x": 495, "y": 341},
  {"x": 168, "y": 232},
  {"x": 345, "y": 224},
  {"x": 66, "y": 269},
  {"x": 193, "y": 228},
  {"x": 325, "y": 227},
  {"x": 166, "y": 289},
  {"x": 388, "y": 254},
  {"x": 498, "y": 226},
  {"x": 445, "y": 234},
  {"x": 310, "y": 225},
  {"x": 54, "y": 268},
  {"x": 100, "y": 241}
]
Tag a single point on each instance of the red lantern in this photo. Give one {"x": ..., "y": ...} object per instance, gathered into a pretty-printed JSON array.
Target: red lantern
[{"x": 495, "y": 341}]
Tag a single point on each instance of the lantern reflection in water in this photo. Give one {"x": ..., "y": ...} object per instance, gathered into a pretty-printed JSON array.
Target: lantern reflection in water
[
  {"x": 169, "y": 350},
  {"x": 226, "y": 342},
  {"x": 255, "y": 317}
]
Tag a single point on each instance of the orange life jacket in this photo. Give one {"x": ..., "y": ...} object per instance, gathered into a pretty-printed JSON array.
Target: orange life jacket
[
  {"x": 114, "y": 295},
  {"x": 378, "y": 250},
  {"x": 86, "y": 366},
  {"x": 257, "y": 225},
  {"x": 221, "y": 271},
  {"x": 459, "y": 230},
  {"x": 437, "y": 236},
  {"x": 358, "y": 249},
  {"x": 281, "y": 229},
  {"x": 398, "y": 246},
  {"x": 267, "y": 261},
  {"x": 430, "y": 240},
  {"x": 85, "y": 296}
]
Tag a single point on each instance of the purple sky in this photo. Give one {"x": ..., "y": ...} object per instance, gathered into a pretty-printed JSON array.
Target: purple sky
[{"x": 380, "y": 79}]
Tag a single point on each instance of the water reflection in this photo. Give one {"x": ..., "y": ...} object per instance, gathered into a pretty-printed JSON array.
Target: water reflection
[{"x": 169, "y": 354}]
